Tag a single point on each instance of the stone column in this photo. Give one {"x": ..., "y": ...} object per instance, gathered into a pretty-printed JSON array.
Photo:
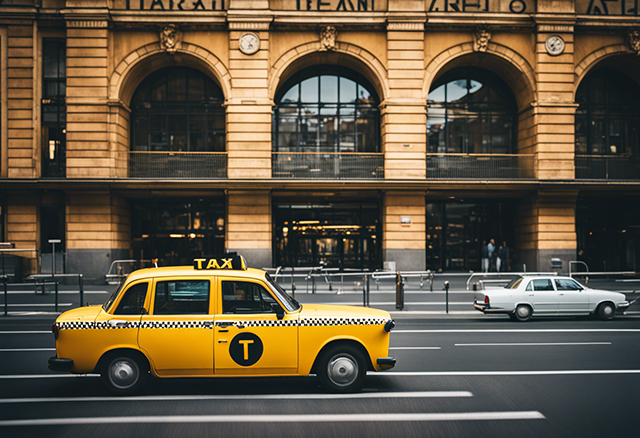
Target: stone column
[
  {"x": 88, "y": 153},
  {"x": 403, "y": 114},
  {"x": 546, "y": 229},
  {"x": 404, "y": 222},
  {"x": 98, "y": 232},
  {"x": 249, "y": 226},
  {"x": 22, "y": 226}
]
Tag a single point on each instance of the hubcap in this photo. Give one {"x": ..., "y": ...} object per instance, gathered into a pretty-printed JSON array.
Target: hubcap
[
  {"x": 123, "y": 373},
  {"x": 608, "y": 310},
  {"x": 523, "y": 311},
  {"x": 343, "y": 369}
]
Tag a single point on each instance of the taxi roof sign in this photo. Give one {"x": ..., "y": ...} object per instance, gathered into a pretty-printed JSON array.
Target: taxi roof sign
[{"x": 229, "y": 262}]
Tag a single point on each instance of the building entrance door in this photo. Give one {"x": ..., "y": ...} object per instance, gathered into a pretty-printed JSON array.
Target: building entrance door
[
  {"x": 175, "y": 231},
  {"x": 335, "y": 235}
]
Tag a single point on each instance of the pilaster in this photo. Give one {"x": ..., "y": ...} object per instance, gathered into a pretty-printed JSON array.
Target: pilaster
[
  {"x": 404, "y": 222},
  {"x": 249, "y": 226}
]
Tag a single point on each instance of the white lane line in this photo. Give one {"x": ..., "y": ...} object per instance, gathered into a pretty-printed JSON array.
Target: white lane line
[
  {"x": 518, "y": 344},
  {"x": 46, "y": 376},
  {"x": 481, "y": 331},
  {"x": 393, "y": 303},
  {"x": 502, "y": 373},
  {"x": 25, "y": 332},
  {"x": 41, "y": 305},
  {"x": 318, "y": 418},
  {"x": 442, "y": 312},
  {"x": 362, "y": 395},
  {"x": 414, "y": 348},
  {"x": 26, "y": 349},
  {"x": 62, "y": 292}
]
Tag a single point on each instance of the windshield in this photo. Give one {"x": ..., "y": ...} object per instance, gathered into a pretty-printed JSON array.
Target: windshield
[
  {"x": 290, "y": 303},
  {"x": 114, "y": 294},
  {"x": 514, "y": 283}
]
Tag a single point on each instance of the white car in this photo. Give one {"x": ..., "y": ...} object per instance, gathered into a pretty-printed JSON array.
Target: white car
[{"x": 550, "y": 295}]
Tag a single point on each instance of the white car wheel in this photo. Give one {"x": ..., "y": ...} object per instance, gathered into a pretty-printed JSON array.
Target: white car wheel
[
  {"x": 606, "y": 311},
  {"x": 523, "y": 313}
]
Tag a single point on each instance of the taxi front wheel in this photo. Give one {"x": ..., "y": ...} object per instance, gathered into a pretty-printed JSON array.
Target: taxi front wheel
[
  {"x": 125, "y": 373},
  {"x": 342, "y": 369}
]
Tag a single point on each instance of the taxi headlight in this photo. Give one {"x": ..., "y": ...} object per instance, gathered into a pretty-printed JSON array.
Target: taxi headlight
[{"x": 389, "y": 325}]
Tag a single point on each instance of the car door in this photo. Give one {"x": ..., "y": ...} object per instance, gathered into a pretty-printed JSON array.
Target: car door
[
  {"x": 249, "y": 337},
  {"x": 542, "y": 295},
  {"x": 177, "y": 334},
  {"x": 571, "y": 296}
]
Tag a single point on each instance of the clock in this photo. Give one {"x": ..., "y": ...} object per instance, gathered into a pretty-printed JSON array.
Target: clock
[
  {"x": 249, "y": 43},
  {"x": 554, "y": 45}
]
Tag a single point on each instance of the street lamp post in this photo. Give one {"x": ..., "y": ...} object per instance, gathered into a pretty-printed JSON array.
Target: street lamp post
[{"x": 53, "y": 255}]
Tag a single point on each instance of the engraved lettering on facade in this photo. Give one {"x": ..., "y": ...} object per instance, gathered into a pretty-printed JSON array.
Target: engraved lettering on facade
[
  {"x": 178, "y": 5},
  {"x": 336, "y": 5},
  {"x": 607, "y": 7}
]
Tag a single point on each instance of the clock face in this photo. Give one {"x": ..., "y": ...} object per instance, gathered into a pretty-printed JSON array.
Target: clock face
[
  {"x": 554, "y": 45},
  {"x": 249, "y": 43}
]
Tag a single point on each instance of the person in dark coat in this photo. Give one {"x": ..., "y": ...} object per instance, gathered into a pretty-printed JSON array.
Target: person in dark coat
[{"x": 504, "y": 257}]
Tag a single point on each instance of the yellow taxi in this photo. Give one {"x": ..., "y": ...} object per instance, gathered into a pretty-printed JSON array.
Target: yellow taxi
[{"x": 218, "y": 319}]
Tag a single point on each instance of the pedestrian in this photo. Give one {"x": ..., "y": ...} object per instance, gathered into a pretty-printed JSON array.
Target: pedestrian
[
  {"x": 491, "y": 250},
  {"x": 498, "y": 259},
  {"x": 504, "y": 257},
  {"x": 485, "y": 257}
]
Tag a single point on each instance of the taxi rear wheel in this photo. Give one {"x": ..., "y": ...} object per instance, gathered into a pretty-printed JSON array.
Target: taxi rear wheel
[
  {"x": 125, "y": 373},
  {"x": 342, "y": 369}
]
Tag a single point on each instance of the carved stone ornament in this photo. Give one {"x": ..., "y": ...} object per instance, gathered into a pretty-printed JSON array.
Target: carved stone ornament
[
  {"x": 169, "y": 38},
  {"x": 328, "y": 38},
  {"x": 633, "y": 38},
  {"x": 482, "y": 40}
]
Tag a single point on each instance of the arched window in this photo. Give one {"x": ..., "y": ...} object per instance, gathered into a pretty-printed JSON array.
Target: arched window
[
  {"x": 471, "y": 110},
  {"x": 326, "y": 109},
  {"x": 608, "y": 114},
  {"x": 178, "y": 109}
]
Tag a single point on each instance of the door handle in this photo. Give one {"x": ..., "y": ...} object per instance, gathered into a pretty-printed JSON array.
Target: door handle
[
  {"x": 225, "y": 324},
  {"x": 117, "y": 322},
  {"x": 222, "y": 341}
]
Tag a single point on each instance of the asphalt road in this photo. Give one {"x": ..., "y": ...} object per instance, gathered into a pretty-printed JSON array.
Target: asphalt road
[{"x": 458, "y": 375}]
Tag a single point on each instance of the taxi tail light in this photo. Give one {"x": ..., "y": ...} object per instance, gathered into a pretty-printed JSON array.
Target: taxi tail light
[
  {"x": 55, "y": 330},
  {"x": 486, "y": 299}
]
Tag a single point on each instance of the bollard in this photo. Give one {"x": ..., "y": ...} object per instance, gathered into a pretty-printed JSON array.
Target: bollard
[
  {"x": 446, "y": 294},
  {"x": 368, "y": 288},
  {"x": 56, "y": 283},
  {"x": 4, "y": 280},
  {"x": 81, "y": 286},
  {"x": 399, "y": 292}
]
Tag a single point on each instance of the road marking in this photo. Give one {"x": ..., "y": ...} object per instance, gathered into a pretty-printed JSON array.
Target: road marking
[
  {"x": 521, "y": 331},
  {"x": 502, "y": 373},
  {"x": 414, "y": 348},
  {"x": 46, "y": 376},
  {"x": 362, "y": 395},
  {"x": 24, "y": 332},
  {"x": 440, "y": 312},
  {"x": 511, "y": 344},
  {"x": 27, "y": 349},
  {"x": 416, "y": 303},
  {"x": 65, "y": 292},
  {"x": 40, "y": 305},
  {"x": 318, "y": 418}
]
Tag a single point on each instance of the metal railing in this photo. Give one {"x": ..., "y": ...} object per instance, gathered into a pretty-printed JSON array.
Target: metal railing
[
  {"x": 330, "y": 165},
  {"x": 480, "y": 166},
  {"x": 179, "y": 165},
  {"x": 621, "y": 167}
]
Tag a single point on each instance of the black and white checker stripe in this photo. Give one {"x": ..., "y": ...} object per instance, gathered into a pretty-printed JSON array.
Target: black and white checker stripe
[{"x": 186, "y": 324}]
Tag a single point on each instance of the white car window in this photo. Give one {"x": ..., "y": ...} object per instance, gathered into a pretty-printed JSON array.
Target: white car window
[
  {"x": 567, "y": 284},
  {"x": 542, "y": 284}
]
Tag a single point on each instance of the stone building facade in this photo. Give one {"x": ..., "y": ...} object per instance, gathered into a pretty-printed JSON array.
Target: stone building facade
[{"x": 343, "y": 132}]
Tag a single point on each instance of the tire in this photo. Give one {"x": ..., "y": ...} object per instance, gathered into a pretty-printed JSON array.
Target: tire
[
  {"x": 606, "y": 311},
  {"x": 522, "y": 313},
  {"x": 342, "y": 369},
  {"x": 125, "y": 373},
  {"x": 512, "y": 316}
]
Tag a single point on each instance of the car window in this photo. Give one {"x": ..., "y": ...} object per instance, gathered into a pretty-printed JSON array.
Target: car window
[
  {"x": 133, "y": 300},
  {"x": 182, "y": 297},
  {"x": 514, "y": 283},
  {"x": 530, "y": 286},
  {"x": 542, "y": 284},
  {"x": 566, "y": 284},
  {"x": 245, "y": 297}
]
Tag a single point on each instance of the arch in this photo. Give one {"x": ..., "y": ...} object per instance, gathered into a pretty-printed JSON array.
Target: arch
[
  {"x": 512, "y": 67},
  {"x": 345, "y": 54},
  {"x": 136, "y": 66},
  {"x": 602, "y": 56}
]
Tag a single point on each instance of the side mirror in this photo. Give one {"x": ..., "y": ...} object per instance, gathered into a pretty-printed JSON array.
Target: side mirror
[{"x": 277, "y": 308}]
